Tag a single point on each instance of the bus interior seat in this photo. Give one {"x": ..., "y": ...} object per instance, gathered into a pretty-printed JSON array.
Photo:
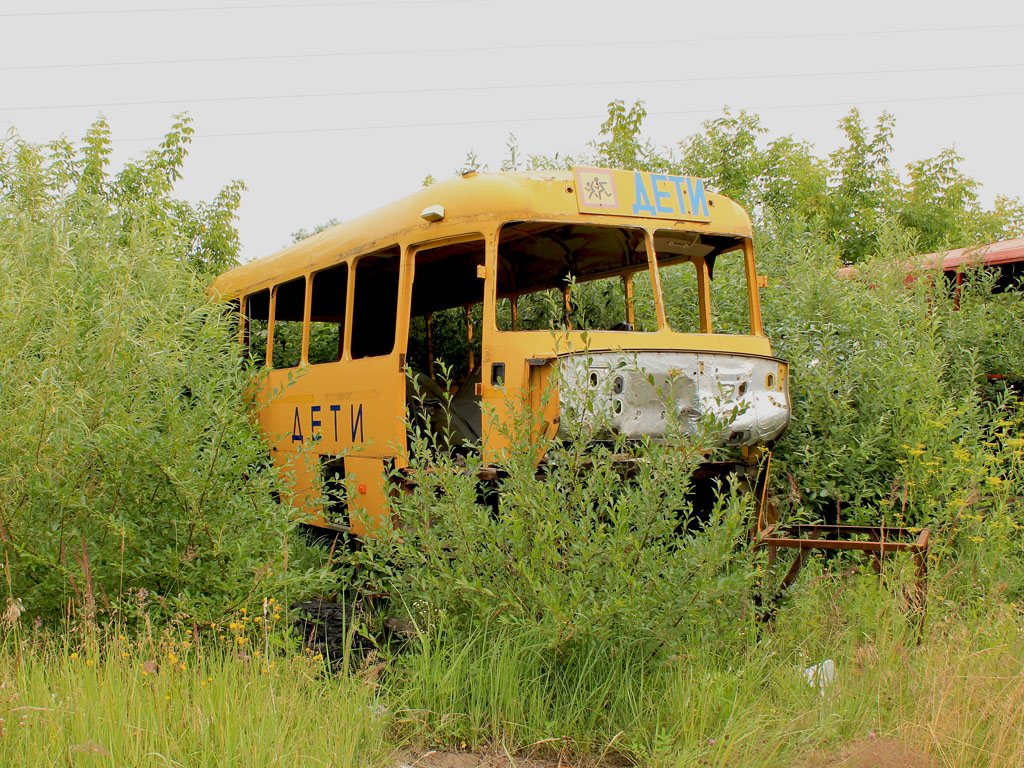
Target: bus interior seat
[
  {"x": 466, "y": 402},
  {"x": 426, "y": 400}
]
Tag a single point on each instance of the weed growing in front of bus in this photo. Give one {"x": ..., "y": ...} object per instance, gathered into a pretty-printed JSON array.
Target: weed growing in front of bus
[
  {"x": 895, "y": 416},
  {"x": 130, "y": 470},
  {"x": 592, "y": 546}
]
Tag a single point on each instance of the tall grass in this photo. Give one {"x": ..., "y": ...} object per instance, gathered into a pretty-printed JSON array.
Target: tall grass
[
  {"x": 165, "y": 705},
  {"x": 954, "y": 691}
]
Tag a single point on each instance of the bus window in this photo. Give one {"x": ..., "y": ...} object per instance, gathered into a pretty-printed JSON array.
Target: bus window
[
  {"x": 680, "y": 256},
  {"x": 375, "y": 303},
  {"x": 448, "y": 295},
  {"x": 327, "y": 315},
  {"x": 257, "y": 323},
  {"x": 567, "y": 276},
  {"x": 682, "y": 299},
  {"x": 289, "y": 307},
  {"x": 730, "y": 307}
]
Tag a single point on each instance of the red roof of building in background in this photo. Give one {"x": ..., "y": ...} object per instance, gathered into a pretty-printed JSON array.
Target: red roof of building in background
[{"x": 992, "y": 254}]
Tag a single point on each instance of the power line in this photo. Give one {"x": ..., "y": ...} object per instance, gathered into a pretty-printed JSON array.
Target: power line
[
  {"x": 530, "y": 86},
  {"x": 197, "y": 8},
  {"x": 554, "y": 118},
  {"x": 499, "y": 48}
]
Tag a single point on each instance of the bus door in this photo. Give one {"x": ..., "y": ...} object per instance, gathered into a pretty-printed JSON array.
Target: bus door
[
  {"x": 369, "y": 386},
  {"x": 443, "y": 353}
]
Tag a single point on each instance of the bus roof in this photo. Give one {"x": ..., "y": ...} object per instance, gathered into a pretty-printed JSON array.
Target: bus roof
[
  {"x": 487, "y": 198},
  {"x": 997, "y": 254}
]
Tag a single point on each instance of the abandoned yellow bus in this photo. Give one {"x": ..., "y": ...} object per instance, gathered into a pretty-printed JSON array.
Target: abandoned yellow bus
[{"x": 453, "y": 293}]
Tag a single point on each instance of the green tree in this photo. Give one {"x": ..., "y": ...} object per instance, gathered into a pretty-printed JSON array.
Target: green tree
[
  {"x": 130, "y": 469},
  {"x": 940, "y": 205},
  {"x": 782, "y": 178},
  {"x": 302, "y": 233}
]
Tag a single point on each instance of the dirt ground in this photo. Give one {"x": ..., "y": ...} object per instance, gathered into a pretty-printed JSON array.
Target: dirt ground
[
  {"x": 876, "y": 753},
  {"x": 477, "y": 760},
  {"x": 472, "y": 760}
]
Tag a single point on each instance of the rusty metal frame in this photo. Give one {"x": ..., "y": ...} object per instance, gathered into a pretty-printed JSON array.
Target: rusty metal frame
[{"x": 883, "y": 541}]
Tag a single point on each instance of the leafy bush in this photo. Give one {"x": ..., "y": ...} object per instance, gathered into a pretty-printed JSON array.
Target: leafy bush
[
  {"x": 891, "y": 412},
  {"x": 130, "y": 472},
  {"x": 598, "y": 547}
]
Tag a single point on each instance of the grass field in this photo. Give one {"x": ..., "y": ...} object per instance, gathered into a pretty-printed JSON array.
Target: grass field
[{"x": 242, "y": 695}]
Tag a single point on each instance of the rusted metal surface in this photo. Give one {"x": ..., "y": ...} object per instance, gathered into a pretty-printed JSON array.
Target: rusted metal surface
[
  {"x": 882, "y": 541},
  {"x": 407, "y": 476},
  {"x": 996, "y": 254}
]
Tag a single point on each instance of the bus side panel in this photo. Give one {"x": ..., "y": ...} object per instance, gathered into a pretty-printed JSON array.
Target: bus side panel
[
  {"x": 354, "y": 407},
  {"x": 368, "y": 504}
]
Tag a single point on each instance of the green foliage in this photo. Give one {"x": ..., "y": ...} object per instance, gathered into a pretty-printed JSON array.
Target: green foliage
[
  {"x": 892, "y": 410},
  {"x": 780, "y": 177},
  {"x": 130, "y": 472},
  {"x": 851, "y": 195},
  {"x": 302, "y": 233},
  {"x": 579, "y": 554}
]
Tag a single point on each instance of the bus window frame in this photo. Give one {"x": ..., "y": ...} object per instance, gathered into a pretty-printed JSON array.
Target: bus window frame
[
  {"x": 401, "y": 318},
  {"x": 704, "y": 281},
  {"x": 753, "y": 288},
  {"x": 346, "y": 317},
  {"x": 408, "y": 277},
  {"x": 269, "y": 361},
  {"x": 245, "y": 329},
  {"x": 490, "y": 318}
]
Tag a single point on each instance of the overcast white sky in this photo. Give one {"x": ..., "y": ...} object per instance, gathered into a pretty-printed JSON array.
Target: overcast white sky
[{"x": 334, "y": 108}]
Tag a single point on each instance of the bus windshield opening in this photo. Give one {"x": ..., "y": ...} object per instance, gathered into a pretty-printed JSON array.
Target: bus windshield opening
[
  {"x": 686, "y": 260},
  {"x": 572, "y": 276}
]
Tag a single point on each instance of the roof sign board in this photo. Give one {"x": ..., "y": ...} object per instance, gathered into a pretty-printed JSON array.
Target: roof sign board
[{"x": 636, "y": 193}]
